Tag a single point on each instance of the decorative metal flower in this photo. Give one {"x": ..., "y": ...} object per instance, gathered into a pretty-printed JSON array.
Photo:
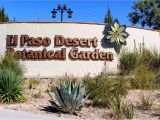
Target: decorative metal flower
[{"x": 117, "y": 33}]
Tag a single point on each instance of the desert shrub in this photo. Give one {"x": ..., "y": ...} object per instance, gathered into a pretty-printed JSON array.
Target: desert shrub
[
  {"x": 127, "y": 61},
  {"x": 146, "y": 102},
  {"x": 51, "y": 87},
  {"x": 128, "y": 110},
  {"x": 144, "y": 56},
  {"x": 31, "y": 83},
  {"x": 69, "y": 97},
  {"x": 9, "y": 62},
  {"x": 155, "y": 61},
  {"x": 151, "y": 58},
  {"x": 121, "y": 109},
  {"x": 37, "y": 95},
  {"x": 143, "y": 78},
  {"x": 156, "y": 82},
  {"x": 115, "y": 105},
  {"x": 133, "y": 82},
  {"x": 11, "y": 87},
  {"x": 130, "y": 59},
  {"x": 102, "y": 88}
]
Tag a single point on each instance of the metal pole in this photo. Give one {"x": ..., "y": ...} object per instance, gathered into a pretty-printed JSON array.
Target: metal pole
[{"x": 61, "y": 15}]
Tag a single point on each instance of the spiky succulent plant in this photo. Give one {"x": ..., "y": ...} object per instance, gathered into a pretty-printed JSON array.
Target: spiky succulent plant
[
  {"x": 68, "y": 97},
  {"x": 117, "y": 33},
  {"x": 11, "y": 86}
]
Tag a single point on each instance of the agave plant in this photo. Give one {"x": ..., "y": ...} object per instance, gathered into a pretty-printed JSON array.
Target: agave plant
[
  {"x": 11, "y": 88},
  {"x": 69, "y": 97},
  {"x": 117, "y": 33}
]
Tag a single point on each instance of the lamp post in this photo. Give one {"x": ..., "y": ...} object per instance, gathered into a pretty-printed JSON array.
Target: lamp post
[{"x": 61, "y": 9}]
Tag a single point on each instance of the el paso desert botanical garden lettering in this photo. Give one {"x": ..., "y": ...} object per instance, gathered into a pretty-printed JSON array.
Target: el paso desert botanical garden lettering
[{"x": 13, "y": 41}]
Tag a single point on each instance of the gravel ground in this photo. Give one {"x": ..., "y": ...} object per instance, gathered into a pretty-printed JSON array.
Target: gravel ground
[{"x": 42, "y": 106}]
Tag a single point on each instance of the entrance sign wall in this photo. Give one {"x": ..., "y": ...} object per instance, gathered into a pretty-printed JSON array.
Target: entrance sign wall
[{"x": 53, "y": 49}]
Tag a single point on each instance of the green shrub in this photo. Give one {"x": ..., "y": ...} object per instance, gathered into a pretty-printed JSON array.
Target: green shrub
[
  {"x": 130, "y": 59},
  {"x": 143, "y": 78},
  {"x": 121, "y": 109},
  {"x": 51, "y": 87},
  {"x": 155, "y": 62},
  {"x": 127, "y": 61},
  {"x": 115, "y": 105},
  {"x": 11, "y": 87},
  {"x": 9, "y": 62},
  {"x": 98, "y": 87},
  {"x": 156, "y": 82},
  {"x": 146, "y": 102},
  {"x": 37, "y": 95},
  {"x": 150, "y": 58},
  {"x": 102, "y": 88},
  {"x": 128, "y": 110},
  {"x": 69, "y": 97},
  {"x": 32, "y": 83}
]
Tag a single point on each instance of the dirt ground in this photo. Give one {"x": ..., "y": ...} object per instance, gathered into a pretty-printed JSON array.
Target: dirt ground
[{"x": 42, "y": 106}]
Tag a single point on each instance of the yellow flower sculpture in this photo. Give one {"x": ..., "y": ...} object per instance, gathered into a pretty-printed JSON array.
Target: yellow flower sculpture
[{"x": 117, "y": 33}]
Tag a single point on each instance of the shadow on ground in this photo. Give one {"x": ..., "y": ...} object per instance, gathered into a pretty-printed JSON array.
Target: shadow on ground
[{"x": 49, "y": 109}]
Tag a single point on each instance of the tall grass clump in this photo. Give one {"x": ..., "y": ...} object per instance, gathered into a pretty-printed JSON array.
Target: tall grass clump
[
  {"x": 121, "y": 109},
  {"x": 143, "y": 78},
  {"x": 103, "y": 89},
  {"x": 156, "y": 82},
  {"x": 142, "y": 65},
  {"x": 127, "y": 61},
  {"x": 146, "y": 102},
  {"x": 151, "y": 58},
  {"x": 128, "y": 110},
  {"x": 10, "y": 62}
]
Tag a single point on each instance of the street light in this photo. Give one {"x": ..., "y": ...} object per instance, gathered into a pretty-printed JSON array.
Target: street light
[{"x": 61, "y": 9}]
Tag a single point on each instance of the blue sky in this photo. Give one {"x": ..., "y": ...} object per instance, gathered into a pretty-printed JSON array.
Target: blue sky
[{"x": 84, "y": 10}]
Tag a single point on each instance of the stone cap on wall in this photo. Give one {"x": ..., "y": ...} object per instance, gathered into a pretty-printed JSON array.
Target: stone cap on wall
[{"x": 91, "y": 23}]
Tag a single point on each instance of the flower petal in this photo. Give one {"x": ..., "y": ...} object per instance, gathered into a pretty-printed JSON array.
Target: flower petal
[
  {"x": 123, "y": 34},
  {"x": 109, "y": 36},
  {"x": 113, "y": 39},
  {"x": 111, "y": 32},
  {"x": 121, "y": 29},
  {"x": 113, "y": 29},
  {"x": 118, "y": 39},
  {"x": 116, "y": 25},
  {"x": 122, "y": 39}
]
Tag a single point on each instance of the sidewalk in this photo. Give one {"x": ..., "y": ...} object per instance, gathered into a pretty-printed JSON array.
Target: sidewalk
[{"x": 6, "y": 114}]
